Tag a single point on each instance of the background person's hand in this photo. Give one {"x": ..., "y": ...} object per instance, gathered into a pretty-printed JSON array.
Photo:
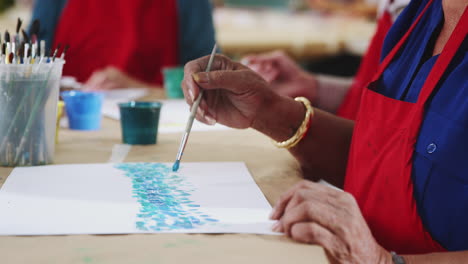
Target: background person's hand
[
  {"x": 233, "y": 94},
  {"x": 112, "y": 78},
  {"x": 317, "y": 214},
  {"x": 283, "y": 74}
]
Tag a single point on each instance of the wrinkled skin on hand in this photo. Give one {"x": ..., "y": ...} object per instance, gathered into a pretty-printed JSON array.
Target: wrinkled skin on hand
[
  {"x": 233, "y": 94},
  {"x": 316, "y": 214}
]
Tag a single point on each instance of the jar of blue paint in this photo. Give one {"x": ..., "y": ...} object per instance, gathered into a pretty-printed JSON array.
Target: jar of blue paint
[{"x": 83, "y": 109}]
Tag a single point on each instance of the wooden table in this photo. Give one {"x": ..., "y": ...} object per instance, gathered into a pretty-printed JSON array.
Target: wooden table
[{"x": 274, "y": 171}]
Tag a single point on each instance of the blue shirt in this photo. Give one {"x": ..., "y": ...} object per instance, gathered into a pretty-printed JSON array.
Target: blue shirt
[
  {"x": 196, "y": 34},
  {"x": 440, "y": 164}
]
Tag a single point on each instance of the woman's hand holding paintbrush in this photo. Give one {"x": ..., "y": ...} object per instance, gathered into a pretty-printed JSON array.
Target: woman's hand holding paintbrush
[
  {"x": 236, "y": 96},
  {"x": 228, "y": 99}
]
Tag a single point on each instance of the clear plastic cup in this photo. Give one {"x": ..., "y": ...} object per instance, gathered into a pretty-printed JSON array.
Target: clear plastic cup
[{"x": 28, "y": 112}]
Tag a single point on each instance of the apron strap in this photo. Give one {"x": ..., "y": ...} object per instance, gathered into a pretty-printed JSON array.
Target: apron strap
[
  {"x": 388, "y": 59},
  {"x": 449, "y": 51}
]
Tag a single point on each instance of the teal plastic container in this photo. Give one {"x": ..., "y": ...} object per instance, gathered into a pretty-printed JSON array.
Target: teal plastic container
[
  {"x": 139, "y": 122},
  {"x": 172, "y": 82},
  {"x": 258, "y": 3}
]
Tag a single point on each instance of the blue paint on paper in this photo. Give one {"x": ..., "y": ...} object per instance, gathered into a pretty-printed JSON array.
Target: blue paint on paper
[{"x": 164, "y": 197}]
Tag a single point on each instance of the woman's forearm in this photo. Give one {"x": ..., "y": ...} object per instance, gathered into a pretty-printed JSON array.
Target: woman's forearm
[
  {"x": 460, "y": 257},
  {"x": 323, "y": 152}
]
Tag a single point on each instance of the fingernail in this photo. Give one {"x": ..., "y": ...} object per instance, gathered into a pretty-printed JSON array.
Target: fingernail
[
  {"x": 210, "y": 120},
  {"x": 210, "y": 115},
  {"x": 280, "y": 228},
  {"x": 191, "y": 95},
  {"x": 272, "y": 213},
  {"x": 277, "y": 227},
  {"x": 201, "y": 77},
  {"x": 201, "y": 112}
]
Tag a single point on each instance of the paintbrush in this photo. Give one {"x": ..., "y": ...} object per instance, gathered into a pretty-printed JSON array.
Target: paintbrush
[
  {"x": 25, "y": 36},
  {"x": 64, "y": 51},
  {"x": 13, "y": 51},
  {"x": 56, "y": 51},
  {"x": 26, "y": 53},
  {"x": 20, "y": 53},
  {"x": 193, "y": 112},
  {"x": 42, "y": 51},
  {"x": 18, "y": 27},
  {"x": 35, "y": 27},
  {"x": 7, "y": 47},
  {"x": 7, "y": 36},
  {"x": 33, "y": 48}
]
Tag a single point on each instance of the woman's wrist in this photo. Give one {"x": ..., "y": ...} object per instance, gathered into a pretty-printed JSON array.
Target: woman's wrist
[{"x": 279, "y": 117}]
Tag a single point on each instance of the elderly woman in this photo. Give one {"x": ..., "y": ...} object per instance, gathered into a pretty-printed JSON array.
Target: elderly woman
[{"x": 402, "y": 164}]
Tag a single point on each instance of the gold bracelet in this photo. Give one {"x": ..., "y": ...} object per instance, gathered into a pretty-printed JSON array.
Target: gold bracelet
[{"x": 302, "y": 130}]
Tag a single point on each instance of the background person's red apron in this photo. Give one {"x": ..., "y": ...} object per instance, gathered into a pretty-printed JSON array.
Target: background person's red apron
[
  {"x": 369, "y": 66},
  {"x": 380, "y": 163},
  {"x": 137, "y": 36}
]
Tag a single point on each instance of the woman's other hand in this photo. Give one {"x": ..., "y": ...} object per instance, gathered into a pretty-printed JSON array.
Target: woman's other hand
[
  {"x": 317, "y": 214},
  {"x": 283, "y": 74}
]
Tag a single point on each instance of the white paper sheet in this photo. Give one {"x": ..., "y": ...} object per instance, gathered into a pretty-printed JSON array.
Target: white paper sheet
[
  {"x": 174, "y": 116},
  {"x": 132, "y": 198}
]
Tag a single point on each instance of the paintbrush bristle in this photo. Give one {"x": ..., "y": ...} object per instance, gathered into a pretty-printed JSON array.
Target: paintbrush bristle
[
  {"x": 11, "y": 57},
  {"x": 25, "y": 36},
  {"x": 64, "y": 52},
  {"x": 176, "y": 165},
  {"x": 18, "y": 25},
  {"x": 35, "y": 27},
  {"x": 21, "y": 50},
  {"x": 7, "y": 36}
]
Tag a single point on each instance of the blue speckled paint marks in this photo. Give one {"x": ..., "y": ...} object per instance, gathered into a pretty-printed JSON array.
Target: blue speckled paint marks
[{"x": 164, "y": 197}]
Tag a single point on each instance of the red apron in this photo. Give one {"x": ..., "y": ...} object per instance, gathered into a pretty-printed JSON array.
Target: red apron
[
  {"x": 139, "y": 37},
  {"x": 380, "y": 163},
  {"x": 369, "y": 66}
]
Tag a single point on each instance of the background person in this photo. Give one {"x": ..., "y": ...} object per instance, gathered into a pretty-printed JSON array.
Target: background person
[{"x": 120, "y": 43}]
